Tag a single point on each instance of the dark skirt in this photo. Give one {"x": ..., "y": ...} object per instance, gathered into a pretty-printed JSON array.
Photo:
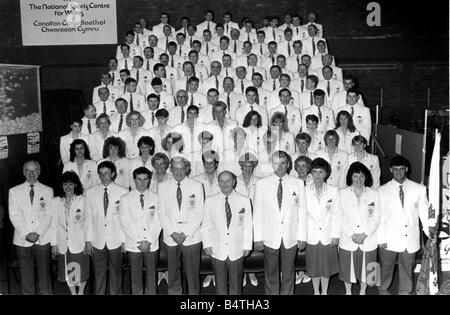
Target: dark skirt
[
  {"x": 80, "y": 259},
  {"x": 321, "y": 260},
  {"x": 345, "y": 265}
]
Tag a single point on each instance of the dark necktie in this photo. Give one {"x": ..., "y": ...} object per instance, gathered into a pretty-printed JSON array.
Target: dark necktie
[
  {"x": 192, "y": 99},
  {"x": 153, "y": 118},
  {"x": 167, "y": 42},
  {"x": 234, "y": 48},
  {"x": 131, "y": 102},
  {"x": 112, "y": 78},
  {"x": 298, "y": 60},
  {"x": 273, "y": 61},
  {"x": 285, "y": 111},
  {"x": 137, "y": 75},
  {"x": 208, "y": 27},
  {"x": 280, "y": 194},
  {"x": 187, "y": 80},
  {"x": 302, "y": 85},
  {"x": 274, "y": 85},
  {"x": 120, "y": 123},
  {"x": 227, "y": 28},
  {"x": 171, "y": 61},
  {"x": 273, "y": 34},
  {"x": 260, "y": 49},
  {"x": 242, "y": 86},
  {"x": 191, "y": 41},
  {"x": 31, "y": 193},
  {"x": 180, "y": 51},
  {"x": 207, "y": 48},
  {"x": 141, "y": 199},
  {"x": 179, "y": 196},
  {"x": 353, "y": 111},
  {"x": 311, "y": 99},
  {"x": 248, "y": 36},
  {"x": 401, "y": 194},
  {"x": 104, "y": 108},
  {"x": 228, "y": 102},
  {"x": 105, "y": 201},
  {"x": 226, "y": 72},
  {"x": 126, "y": 64},
  {"x": 228, "y": 212},
  {"x": 313, "y": 47},
  {"x": 328, "y": 88},
  {"x": 320, "y": 115},
  {"x": 148, "y": 64},
  {"x": 289, "y": 49},
  {"x": 297, "y": 30},
  {"x": 89, "y": 127},
  {"x": 217, "y": 83},
  {"x": 137, "y": 39},
  {"x": 182, "y": 115}
]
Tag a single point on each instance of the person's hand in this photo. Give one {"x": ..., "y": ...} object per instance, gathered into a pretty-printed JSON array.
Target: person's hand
[
  {"x": 432, "y": 231},
  {"x": 208, "y": 251},
  {"x": 32, "y": 237},
  {"x": 382, "y": 246},
  {"x": 247, "y": 252},
  {"x": 144, "y": 246},
  {"x": 359, "y": 238},
  {"x": 54, "y": 251},
  {"x": 88, "y": 249},
  {"x": 259, "y": 246},
  {"x": 177, "y": 237},
  {"x": 334, "y": 242},
  {"x": 183, "y": 237},
  {"x": 301, "y": 245}
]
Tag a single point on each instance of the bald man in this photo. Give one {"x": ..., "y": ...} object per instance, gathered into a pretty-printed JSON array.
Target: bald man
[{"x": 30, "y": 215}]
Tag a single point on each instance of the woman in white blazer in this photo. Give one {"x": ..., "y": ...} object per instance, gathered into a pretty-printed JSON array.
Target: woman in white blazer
[
  {"x": 131, "y": 135},
  {"x": 369, "y": 160},
  {"x": 114, "y": 151},
  {"x": 285, "y": 138},
  {"x": 70, "y": 229},
  {"x": 97, "y": 139},
  {"x": 338, "y": 159},
  {"x": 81, "y": 164},
  {"x": 65, "y": 141},
  {"x": 360, "y": 220},
  {"x": 346, "y": 131},
  {"x": 146, "y": 147},
  {"x": 323, "y": 227}
]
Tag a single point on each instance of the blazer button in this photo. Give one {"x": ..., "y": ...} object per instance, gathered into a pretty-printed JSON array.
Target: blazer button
[
  {"x": 228, "y": 233},
  {"x": 406, "y": 234},
  {"x": 105, "y": 225},
  {"x": 145, "y": 229},
  {"x": 406, "y": 225},
  {"x": 32, "y": 222},
  {"x": 320, "y": 228},
  {"x": 357, "y": 226}
]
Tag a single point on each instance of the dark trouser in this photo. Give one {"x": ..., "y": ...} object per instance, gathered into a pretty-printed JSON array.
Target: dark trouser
[
  {"x": 274, "y": 260},
  {"x": 387, "y": 260},
  {"x": 28, "y": 256},
  {"x": 137, "y": 261},
  {"x": 100, "y": 259},
  {"x": 190, "y": 255},
  {"x": 230, "y": 273}
]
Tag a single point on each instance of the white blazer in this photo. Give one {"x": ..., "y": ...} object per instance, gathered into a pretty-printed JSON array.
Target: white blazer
[
  {"x": 372, "y": 163},
  {"x": 66, "y": 141},
  {"x": 188, "y": 218},
  {"x": 324, "y": 215},
  {"x": 227, "y": 242},
  {"x": 357, "y": 218},
  {"x": 88, "y": 175},
  {"x": 70, "y": 227},
  {"x": 399, "y": 227},
  {"x": 123, "y": 171},
  {"x": 101, "y": 230},
  {"x": 272, "y": 225},
  {"x": 361, "y": 118},
  {"x": 139, "y": 224},
  {"x": 27, "y": 218},
  {"x": 339, "y": 167}
]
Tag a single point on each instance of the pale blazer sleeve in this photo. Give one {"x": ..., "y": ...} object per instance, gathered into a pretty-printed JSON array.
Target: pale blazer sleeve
[
  {"x": 248, "y": 227},
  {"x": 163, "y": 215},
  {"x": 46, "y": 217},
  {"x": 257, "y": 214},
  {"x": 207, "y": 224},
  {"x": 16, "y": 215},
  {"x": 336, "y": 220},
  {"x": 302, "y": 216},
  {"x": 126, "y": 221},
  {"x": 196, "y": 217},
  {"x": 424, "y": 211},
  {"x": 374, "y": 221}
]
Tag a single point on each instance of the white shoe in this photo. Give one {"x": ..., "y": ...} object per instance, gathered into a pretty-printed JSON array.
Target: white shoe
[
  {"x": 306, "y": 279},
  {"x": 299, "y": 277},
  {"x": 253, "y": 279},
  {"x": 244, "y": 281},
  {"x": 207, "y": 280}
]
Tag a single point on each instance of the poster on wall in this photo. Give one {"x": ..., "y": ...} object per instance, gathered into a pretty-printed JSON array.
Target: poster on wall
[
  {"x": 63, "y": 22},
  {"x": 33, "y": 142},
  {"x": 20, "y": 100}
]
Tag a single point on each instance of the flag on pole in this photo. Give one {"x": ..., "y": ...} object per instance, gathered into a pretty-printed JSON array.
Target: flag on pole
[{"x": 427, "y": 284}]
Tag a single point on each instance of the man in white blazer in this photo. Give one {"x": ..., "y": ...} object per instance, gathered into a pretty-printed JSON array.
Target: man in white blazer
[
  {"x": 403, "y": 204},
  {"x": 141, "y": 227},
  {"x": 104, "y": 235},
  {"x": 278, "y": 202},
  {"x": 180, "y": 211},
  {"x": 30, "y": 215},
  {"x": 227, "y": 234}
]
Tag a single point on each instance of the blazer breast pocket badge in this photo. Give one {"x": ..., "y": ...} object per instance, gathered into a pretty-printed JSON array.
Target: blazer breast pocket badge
[
  {"x": 371, "y": 208},
  {"x": 42, "y": 204},
  {"x": 192, "y": 201},
  {"x": 296, "y": 198},
  {"x": 116, "y": 207},
  {"x": 338, "y": 166},
  {"x": 241, "y": 216},
  {"x": 328, "y": 206},
  {"x": 152, "y": 211}
]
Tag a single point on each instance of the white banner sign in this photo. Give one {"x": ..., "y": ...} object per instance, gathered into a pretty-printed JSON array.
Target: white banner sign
[{"x": 63, "y": 22}]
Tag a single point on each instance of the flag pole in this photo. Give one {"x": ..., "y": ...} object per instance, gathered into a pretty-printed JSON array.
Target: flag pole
[{"x": 424, "y": 147}]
